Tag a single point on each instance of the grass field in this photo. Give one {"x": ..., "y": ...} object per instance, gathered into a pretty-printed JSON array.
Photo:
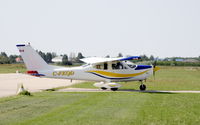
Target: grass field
[
  {"x": 111, "y": 108},
  {"x": 100, "y": 108},
  {"x": 11, "y": 68}
]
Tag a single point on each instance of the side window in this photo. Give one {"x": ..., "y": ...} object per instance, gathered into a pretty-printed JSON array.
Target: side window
[
  {"x": 105, "y": 66},
  {"x": 98, "y": 66}
]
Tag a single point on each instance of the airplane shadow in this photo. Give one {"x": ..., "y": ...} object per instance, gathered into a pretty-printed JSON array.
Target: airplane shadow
[{"x": 147, "y": 91}]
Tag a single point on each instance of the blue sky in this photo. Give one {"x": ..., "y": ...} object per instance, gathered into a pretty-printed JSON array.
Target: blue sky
[{"x": 164, "y": 28}]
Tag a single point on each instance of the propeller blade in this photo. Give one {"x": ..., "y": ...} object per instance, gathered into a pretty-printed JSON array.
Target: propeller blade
[
  {"x": 154, "y": 63},
  {"x": 155, "y": 68}
]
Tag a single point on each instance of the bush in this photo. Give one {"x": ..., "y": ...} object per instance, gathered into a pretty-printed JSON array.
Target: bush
[{"x": 25, "y": 92}]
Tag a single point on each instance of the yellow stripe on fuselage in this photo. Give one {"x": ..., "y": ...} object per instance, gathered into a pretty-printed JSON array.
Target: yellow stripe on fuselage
[{"x": 117, "y": 75}]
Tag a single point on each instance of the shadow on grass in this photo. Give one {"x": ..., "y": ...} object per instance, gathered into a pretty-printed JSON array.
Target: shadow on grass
[
  {"x": 120, "y": 90},
  {"x": 147, "y": 91}
]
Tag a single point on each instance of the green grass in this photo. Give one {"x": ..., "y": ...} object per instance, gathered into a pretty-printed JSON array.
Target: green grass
[
  {"x": 176, "y": 78},
  {"x": 111, "y": 108},
  {"x": 83, "y": 85},
  {"x": 107, "y": 108},
  {"x": 11, "y": 68},
  {"x": 168, "y": 78}
]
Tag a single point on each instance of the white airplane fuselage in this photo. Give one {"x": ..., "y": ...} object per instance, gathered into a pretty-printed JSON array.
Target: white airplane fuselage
[{"x": 91, "y": 74}]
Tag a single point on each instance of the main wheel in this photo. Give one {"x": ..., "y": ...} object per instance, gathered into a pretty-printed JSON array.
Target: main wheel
[
  {"x": 114, "y": 89},
  {"x": 142, "y": 87},
  {"x": 103, "y": 88}
]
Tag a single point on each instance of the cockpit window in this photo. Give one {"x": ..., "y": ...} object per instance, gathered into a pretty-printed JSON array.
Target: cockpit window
[
  {"x": 117, "y": 66},
  {"x": 98, "y": 67},
  {"x": 105, "y": 66}
]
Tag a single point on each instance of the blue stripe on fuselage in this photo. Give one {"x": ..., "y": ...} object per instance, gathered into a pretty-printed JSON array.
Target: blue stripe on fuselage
[
  {"x": 140, "y": 67},
  {"x": 36, "y": 74}
]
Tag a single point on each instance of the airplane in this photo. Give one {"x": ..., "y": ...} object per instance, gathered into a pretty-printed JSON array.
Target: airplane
[{"x": 105, "y": 71}]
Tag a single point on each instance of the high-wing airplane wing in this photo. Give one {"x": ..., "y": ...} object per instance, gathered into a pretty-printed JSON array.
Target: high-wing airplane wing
[{"x": 93, "y": 60}]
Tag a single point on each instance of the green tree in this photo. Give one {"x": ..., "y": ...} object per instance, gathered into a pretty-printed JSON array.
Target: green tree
[
  {"x": 4, "y": 54},
  {"x": 43, "y": 55},
  {"x": 12, "y": 58},
  {"x": 48, "y": 57},
  {"x": 120, "y": 55},
  {"x": 4, "y": 58},
  {"x": 79, "y": 56},
  {"x": 65, "y": 60},
  {"x": 152, "y": 58},
  {"x": 144, "y": 57}
]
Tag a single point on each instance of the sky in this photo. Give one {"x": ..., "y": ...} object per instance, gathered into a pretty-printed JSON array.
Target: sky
[{"x": 163, "y": 28}]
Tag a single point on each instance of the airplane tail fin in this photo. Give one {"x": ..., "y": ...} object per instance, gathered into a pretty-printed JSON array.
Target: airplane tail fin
[{"x": 31, "y": 58}]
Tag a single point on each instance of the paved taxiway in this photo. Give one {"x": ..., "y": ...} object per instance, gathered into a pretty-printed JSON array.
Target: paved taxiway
[
  {"x": 122, "y": 90},
  {"x": 10, "y": 82}
]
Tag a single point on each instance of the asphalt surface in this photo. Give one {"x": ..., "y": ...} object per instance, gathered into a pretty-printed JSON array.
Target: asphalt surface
[
  {"x": 10, "y": 82},
  {"x": 122, "y": 90}
]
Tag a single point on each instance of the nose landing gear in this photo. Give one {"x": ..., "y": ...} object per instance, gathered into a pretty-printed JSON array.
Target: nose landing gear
[{"x": 142, "y": 86}]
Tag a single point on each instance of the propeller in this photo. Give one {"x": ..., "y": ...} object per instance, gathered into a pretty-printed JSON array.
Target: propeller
[{"x": 155, "y": 68}]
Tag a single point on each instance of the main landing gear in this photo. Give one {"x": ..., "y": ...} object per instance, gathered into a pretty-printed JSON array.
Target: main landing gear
[
  {"x": 142, "y": 86},
  {"x": 114, "y": 89}
]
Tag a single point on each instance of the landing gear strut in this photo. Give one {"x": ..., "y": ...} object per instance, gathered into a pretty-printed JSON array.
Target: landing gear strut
[{"x": 142, "y": 86}]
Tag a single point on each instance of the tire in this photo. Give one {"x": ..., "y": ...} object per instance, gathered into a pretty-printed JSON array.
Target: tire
[
  {"x": 114, "y": 89},
  {"x": 142, "y": 87},
  {"x": 103, "y": 88}
]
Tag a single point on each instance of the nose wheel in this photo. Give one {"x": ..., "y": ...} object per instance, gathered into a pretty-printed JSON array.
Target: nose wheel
[{"x": 142, "y": 86}]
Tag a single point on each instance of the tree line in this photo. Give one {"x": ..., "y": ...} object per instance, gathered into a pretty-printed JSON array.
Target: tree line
[
  {"x": 5, "y": 59},
  {"x": 66, "y": 60}
]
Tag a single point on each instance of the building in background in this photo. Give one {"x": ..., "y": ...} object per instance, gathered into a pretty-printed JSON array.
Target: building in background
[
  {"x": 57, "y": 59},
  {"x": 19, "y": 60}
]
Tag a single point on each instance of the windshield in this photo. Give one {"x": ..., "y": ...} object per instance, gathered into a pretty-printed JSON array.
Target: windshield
[{"x": 131, "y": 65}]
